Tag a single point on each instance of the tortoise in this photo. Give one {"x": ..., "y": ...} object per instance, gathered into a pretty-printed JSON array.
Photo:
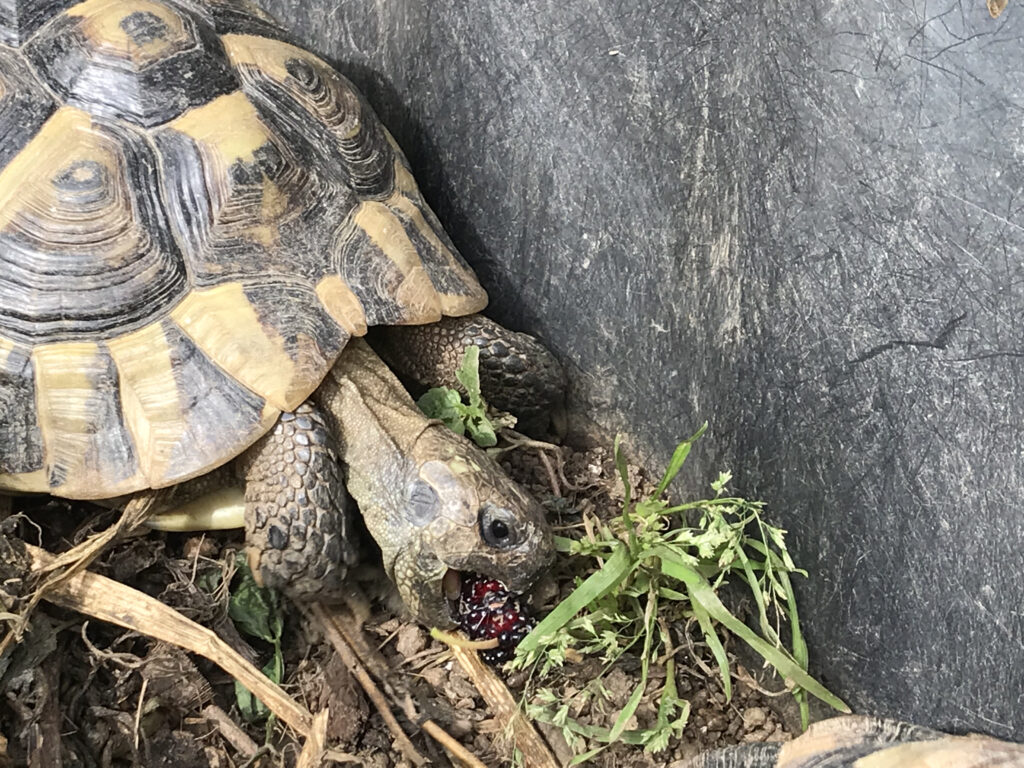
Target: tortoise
[
  {"x": 198, "y": 222},
  {"x": 859, "y": 741}
]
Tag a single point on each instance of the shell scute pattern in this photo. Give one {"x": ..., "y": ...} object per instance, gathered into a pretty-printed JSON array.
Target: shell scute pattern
[
  {"x": 19, "y": 19},
  {"x": 355, "y": 152},
  {"x": 22, "y": 452},
  {"x": 144, "y": 62},
  {"x": 25, "y": 104},
  {"x": 80, "y": 205},
  {"x": 89, "y": 443},
  {"x": 242, "y": 201},
  {"x": 195, "y": 217},
  {"x": 180, "y": 407}
]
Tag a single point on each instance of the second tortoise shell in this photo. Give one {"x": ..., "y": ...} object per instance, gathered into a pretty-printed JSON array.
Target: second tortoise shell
[{"x": 195, "y": 217}]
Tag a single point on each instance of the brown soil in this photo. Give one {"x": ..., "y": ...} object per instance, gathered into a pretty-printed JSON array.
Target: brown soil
[{"x": 83, "y": 693}]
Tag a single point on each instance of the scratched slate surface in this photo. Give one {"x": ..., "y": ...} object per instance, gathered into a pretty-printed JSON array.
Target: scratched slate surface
[{"x": 800, "y": 221}]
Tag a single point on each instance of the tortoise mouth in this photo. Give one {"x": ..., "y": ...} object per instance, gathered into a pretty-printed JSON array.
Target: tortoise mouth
[
  {"x": 485, "y": 609},
  {"x": 451, "y": 587}
]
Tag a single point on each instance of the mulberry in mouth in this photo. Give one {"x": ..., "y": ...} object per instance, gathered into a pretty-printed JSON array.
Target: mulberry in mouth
[{"x": 488, "y": 610}]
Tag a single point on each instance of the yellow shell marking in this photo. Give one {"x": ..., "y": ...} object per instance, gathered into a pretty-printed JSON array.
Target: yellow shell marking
[
  {"x": 416, "y": 294},
  {"x": 103, "y": 22},
  {"x": 229, "y": 126},
  {"x": 66, "y": 399},
  {"x": 401, "y": 200},
  {"x": 273, "y": 207},
  {"x": 266, "y": 54},
  {"x": 149, "y": 397},
  {"x": 342, "y": 305},
  {"x": 223, "y": 323},
  {"x": 26, "y": 482},
  {"x": 26, "y": 187},
  {"x": 270, "y": 58},
  {"x": 228, "y": 130}
]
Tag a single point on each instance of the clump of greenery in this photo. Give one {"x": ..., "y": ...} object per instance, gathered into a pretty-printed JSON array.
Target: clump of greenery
[
  {"x": 256, "y": 611},
  {"x": 463, "y": 418},
  {"x": 658, "y": 563}
]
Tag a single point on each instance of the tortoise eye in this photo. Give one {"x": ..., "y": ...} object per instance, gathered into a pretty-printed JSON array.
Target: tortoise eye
[{"x": 498, "y": 527}]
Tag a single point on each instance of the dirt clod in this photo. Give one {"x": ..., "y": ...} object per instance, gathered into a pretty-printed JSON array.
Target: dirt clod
[{"x": 411, "y": 640}]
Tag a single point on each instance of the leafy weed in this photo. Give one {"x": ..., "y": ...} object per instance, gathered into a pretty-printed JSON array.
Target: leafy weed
[{"x": 660, "y": 563}]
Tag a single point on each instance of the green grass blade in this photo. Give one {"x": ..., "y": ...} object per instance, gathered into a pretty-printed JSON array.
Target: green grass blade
[
  {"x": 650, "y": 616},
  {"x": 786, "y": 665},
  {"x": 713, "y": 641},
  {"x": 627, "y": 711},
  {"x": 620, "y": 465},
  {"x": 587, "y": 756},
  {"x": 593, "y": 588},
  {"x": 755, "y": 589},
  {"x": 799, "y": 645},
  {"x": 796, "y": 636},
  {"x": 678, "y": 459},
  {"x": 627, "y": 492},
  {"x": 671, "y": 594}
]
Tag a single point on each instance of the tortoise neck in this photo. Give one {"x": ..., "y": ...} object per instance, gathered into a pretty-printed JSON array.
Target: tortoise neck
[{"x": 378, "y": 425}]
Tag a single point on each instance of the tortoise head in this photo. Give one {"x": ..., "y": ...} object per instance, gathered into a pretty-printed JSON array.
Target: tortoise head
[
  {"x": 463, "y": 515},
  {"x": 437, "y": 505}
]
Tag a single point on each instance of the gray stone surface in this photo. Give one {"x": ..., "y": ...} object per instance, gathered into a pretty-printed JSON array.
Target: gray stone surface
[{"x": 799, "y": 221}]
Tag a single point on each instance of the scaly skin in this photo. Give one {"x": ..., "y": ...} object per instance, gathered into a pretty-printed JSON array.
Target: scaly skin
[
  {"x": 424, "y": 491},
  {"x": 297, "y": 525},
  {"x": 517, "y": 373}
]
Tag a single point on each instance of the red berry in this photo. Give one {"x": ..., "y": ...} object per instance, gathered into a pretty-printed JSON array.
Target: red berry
[{"x": 488, "y": 610}]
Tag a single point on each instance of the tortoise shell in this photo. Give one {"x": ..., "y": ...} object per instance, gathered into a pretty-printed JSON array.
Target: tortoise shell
[{"x": 195, "y": 217}]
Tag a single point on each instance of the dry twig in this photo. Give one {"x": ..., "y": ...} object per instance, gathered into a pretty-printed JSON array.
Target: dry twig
[
  {"x": 336, "y": 637},
  {"x": 116, "y": 603},
  {"x": 61, "y": 567},
  {"x": 535, "y": 751},
  {"x": 349, "y": 650},
  {"x": 556, "y": 473},
  {"x": 455, "y": 748},
  {"x": 230, "y": 730},
  {"x": 312, "y": 755}
]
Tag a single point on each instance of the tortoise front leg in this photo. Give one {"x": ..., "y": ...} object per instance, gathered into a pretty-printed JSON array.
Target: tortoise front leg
[
  {"x": 298, "y": 526},
  {"x": 517, "y": 373}
]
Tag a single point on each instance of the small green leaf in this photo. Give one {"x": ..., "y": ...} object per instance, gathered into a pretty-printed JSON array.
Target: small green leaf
[
  {"x": 468, "y": 374},
  {"x": 256, "y": 612},
  {"x": 445, "y": 405},
  {"x": 254, "y": 609},
  {"x": 678, "y": 459},
  {"x": 481, "y": 431},
  {"x": 463, "y": 418},
  {"x": 247, "y": 703}
]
